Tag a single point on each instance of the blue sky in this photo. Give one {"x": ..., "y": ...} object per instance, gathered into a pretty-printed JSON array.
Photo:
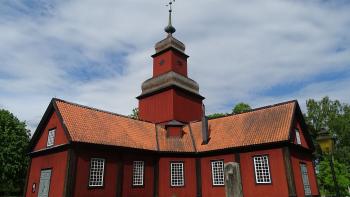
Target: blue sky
[{"x": 97, "y": 53}]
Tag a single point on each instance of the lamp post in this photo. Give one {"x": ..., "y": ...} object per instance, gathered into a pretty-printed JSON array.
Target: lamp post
[{"x": 326, "y": 142}]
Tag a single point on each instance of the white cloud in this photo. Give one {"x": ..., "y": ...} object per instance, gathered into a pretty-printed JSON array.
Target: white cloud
[{"x": 238, "y": 50}]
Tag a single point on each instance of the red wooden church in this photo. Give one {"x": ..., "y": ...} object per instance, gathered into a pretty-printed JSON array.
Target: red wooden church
[{"x": 173, "y": 149}]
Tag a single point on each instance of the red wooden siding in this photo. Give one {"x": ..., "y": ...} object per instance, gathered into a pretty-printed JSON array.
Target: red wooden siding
[
  {"x": 186, "y": 107},
  {"x": 165, "y": 188},
  {"x": 157, "y": 108},
  {"x": 170, "y": 61},
  {"x": 208, "y": 190},
  {"x": 135, "y": 191},
  {"x": 60, "y": 136},
  {"x": 297, "y": 158},
  {"x": 57, "y": 162},
  {"x": 83, "y": 171},
  {"x": 174, "y": 131},
  {"x": 170, "y": 105},
  {"x": 278, "y": 186}
]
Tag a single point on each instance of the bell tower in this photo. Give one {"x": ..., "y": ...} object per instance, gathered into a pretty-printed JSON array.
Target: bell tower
[{"x": 170, "y": 95}]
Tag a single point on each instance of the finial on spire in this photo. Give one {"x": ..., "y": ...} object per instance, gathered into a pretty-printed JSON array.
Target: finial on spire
[{"x": 170, "y": 29}]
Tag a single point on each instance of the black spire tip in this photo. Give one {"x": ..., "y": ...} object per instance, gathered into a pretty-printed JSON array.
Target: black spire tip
[{"x": 169, "y": 29}]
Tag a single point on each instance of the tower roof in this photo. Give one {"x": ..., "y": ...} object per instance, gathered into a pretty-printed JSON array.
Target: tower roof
[
  {"x": 169, "y": 79},
  {"x": 169, "y": 42}
]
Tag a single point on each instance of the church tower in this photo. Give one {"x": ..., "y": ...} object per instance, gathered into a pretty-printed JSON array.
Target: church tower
[{"x": 170, "y": 95}]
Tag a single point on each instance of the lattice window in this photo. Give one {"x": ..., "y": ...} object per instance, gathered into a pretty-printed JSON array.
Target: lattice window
[
  {"x": 305, "y": 178},
  {"x": 262, "y": 170},
  {"x": 51, "y": 138},
  {"x": 138, "y": 172},
  {"x": 97, "y": 167},
  {"x": 217, "y": 171},
  {"x": 297, "y": 136},
  {"x": 177, "y": 174}
]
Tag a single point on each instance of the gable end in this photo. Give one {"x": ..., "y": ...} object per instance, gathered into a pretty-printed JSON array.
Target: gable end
[
  {"x": 298, "y": 117},
  {"x": 51, "y": 114}
]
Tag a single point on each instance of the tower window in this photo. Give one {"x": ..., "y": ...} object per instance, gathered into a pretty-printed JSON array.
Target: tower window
[
  {"x": 161, "y": 62},
  {"x": 217, "y": 171},
  {"x": 177, "y": 174},
  {"x": 297, "y": 136},
  {"x": 97, "y": 167},
  {"x": 51, "y": 138},
  {"x": 138, "y": 173},
  {"x": 262, "y": 170}
]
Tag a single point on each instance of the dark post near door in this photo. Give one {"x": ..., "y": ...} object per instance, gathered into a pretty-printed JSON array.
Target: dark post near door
[{"x": 326, "y": 142}]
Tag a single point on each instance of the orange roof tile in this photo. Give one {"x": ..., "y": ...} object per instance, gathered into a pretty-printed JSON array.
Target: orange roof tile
[
  {"x": 90, "y": 125},
  {"x": 260, "y": 126}
]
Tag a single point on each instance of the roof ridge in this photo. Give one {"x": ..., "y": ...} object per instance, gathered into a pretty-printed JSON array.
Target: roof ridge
[
  {"x": 98, "y": 110},
  {"x": 257, "y": 109}
]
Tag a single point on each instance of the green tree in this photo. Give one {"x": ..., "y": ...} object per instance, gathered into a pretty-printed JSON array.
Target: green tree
[
  {"x": 321, "y": 114},
  {"x": 135, "y": 113},
  {"x": 326, "y": 180},
  {"x": 241, "y": 107},
  {"x": 14, "y": 139},
  {"x": 238, "y": 108},
  {"x": 334, "y": 116},
  {"x": 216, "y": 115}
]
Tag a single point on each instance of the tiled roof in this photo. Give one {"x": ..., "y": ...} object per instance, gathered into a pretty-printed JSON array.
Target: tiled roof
[
  {"x": 260, "y": 126},
  {"x": 90, "y": 125}
]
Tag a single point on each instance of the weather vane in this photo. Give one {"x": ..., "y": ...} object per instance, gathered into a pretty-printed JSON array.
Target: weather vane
[
  {"x": 170, "y": 29},
  {"x": 170, "y": 5}
]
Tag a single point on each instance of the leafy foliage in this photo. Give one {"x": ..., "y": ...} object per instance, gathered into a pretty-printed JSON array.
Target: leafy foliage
[
  {"x": 241, "y": 107},
  {"x": 334, "y": 116},
  {"x": 216, "y": 115},
  {"x": 326, "y": 180},
  {"x": 238, "y": 108},
  {"x": 14, "y": 139},
  {"x": 135, "y": 113}
]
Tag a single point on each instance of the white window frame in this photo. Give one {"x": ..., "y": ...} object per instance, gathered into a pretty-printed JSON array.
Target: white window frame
[
  {"x": 217, "y": 172},
  {"x": 138, "y": 173},
  {"x": 262, "y": 169},
  {"x": 51, "y": 137},
  {"x": 305, "y": 179},
  {"x": 177, "y": 178},
  {"x": 97, "y": 172},
  {"x": 297, "y": 136}
]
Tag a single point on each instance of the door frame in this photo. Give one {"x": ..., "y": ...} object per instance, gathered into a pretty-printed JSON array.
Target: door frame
[{"x": 45, "y": 169}]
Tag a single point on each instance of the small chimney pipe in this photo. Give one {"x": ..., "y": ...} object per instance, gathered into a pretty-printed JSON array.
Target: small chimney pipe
[{"x": 205, "y": 129}]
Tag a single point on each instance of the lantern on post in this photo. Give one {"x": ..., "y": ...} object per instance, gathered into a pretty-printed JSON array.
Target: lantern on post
[{"x": 326, "y": 142}]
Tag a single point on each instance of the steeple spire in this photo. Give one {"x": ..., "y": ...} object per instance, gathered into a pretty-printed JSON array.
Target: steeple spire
[
  {"x": 169, "y": 92},
  {"x": 170, "y": 29}
]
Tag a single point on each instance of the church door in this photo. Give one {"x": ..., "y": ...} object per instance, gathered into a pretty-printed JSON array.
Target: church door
[{"x": 44, "y": 184}]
